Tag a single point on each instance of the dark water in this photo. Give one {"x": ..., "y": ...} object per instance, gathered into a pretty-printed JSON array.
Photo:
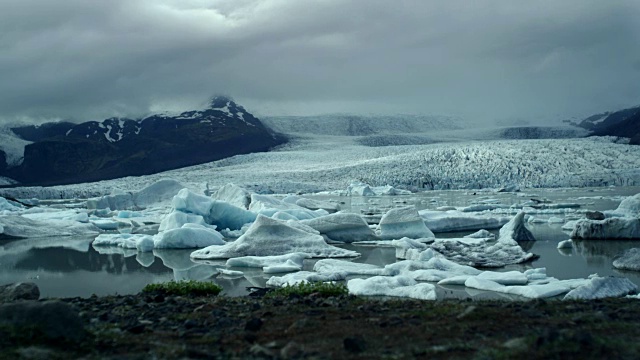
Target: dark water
[{"x": 66, "y": 267}]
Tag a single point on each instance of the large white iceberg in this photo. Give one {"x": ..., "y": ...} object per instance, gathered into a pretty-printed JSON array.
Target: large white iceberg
[
  {"x": 267, "y": 237},
  {"x": 214, "y": 212},
  {"x": 629, "y": 207},
  {"x": 403, "y": 222},
  {"x": 345, "y": 227}
]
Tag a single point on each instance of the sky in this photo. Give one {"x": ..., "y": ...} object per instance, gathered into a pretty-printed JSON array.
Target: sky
[{"x": 484, "y": 60}]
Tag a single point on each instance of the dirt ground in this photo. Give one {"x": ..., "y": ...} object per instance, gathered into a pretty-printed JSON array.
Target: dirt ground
[{"x": 152, "y": 326}]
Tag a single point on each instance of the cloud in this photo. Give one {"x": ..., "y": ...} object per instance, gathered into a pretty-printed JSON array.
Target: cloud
[{"x": 84, "y": 60}]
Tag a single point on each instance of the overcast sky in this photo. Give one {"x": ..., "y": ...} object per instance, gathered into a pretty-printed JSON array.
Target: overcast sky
[{"x": 86, "y": 60}]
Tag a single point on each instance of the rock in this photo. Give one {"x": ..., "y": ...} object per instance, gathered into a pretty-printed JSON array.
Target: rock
[
  {"x": 594, "y": 215},
  {"x": 355, "y": 344},
  {"x": 55, "y": 319},
  {"x": 292, "y": 350},
  {"x": 253, "y": 324},
  {"x": 19, "y": 291}
]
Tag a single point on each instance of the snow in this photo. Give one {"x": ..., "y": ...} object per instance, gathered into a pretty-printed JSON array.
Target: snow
[
  {"x": 403, "y": 222},
  {"x": 13, "y": 146},
  {"x": 453, "y": 220},
  {"x": 599, "y": 288},
  {"x": 400, "y": 286},
  {"x": 629, "y": 260},
  {"x": 268, "y": 237},
  {"x": 188, "y": 236},
  {"x": 612, "y": 228},
  {"x": 344, "y": 227}
]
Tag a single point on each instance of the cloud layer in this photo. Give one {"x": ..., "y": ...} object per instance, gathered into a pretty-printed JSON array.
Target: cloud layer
[{"x": 82, "y": 60}]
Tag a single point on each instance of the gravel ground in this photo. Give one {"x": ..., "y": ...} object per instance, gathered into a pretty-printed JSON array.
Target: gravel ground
[{"x": 154, "y": 326}]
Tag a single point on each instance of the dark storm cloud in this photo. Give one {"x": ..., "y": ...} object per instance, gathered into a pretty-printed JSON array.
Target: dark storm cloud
[{"x": 83, "y": 59}]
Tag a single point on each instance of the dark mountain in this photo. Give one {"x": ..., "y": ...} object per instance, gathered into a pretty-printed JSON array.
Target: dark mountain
[
  {"x": 91, "y": 151},
  {"x": 624, "y": 123}
]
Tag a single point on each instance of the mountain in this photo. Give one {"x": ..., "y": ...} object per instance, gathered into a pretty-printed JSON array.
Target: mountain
[
  {"x": 623, "y": 123},
  {"x": 97, "y": 150}
]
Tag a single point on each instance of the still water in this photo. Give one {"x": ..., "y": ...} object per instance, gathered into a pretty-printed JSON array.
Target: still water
[{"x": 67, "y": 267}]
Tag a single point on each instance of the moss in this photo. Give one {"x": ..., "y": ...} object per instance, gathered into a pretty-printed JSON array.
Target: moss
[
  {"x": 189, "y": 287},
  {"x": 308, "y": 288}
]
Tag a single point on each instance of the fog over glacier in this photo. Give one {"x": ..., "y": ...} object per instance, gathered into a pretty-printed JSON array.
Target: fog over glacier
[{"x": 494, "y": 60}]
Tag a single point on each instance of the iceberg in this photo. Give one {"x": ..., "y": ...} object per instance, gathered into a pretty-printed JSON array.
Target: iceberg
[
  {"x": 629, "y": 207},
  {"x": 345, "y": 227},
  {"x": 515, "y": 230},
  {"x": 234, "y": 195},
  {"x": 227, "y": 216},
  {"x": 399, "y": 286},
  {"x": 302, "y": 277},
  {"x": 268, "y": 237},
  {"x": 176, "y": 219},
  {"x": 271, "y": 264},
  {"x": 600, "y": 288},
  {"x": 330, "y": 266},
  {"x": 188, "y": 236},
  {"x": 16, "y": 226},
  {"x": 629, "y": 260},
  {"x": 611, "y": 228},
  {"x": 140, "y": 242},
  {"x": 403, "y": 222},
  {"x": 312, "y": 204},
  {"x": 453, "y": 220},
  {"x": 158, "y": 192}
]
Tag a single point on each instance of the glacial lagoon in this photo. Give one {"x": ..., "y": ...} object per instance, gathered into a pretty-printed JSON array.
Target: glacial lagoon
[{"x": 70, "y": 266}]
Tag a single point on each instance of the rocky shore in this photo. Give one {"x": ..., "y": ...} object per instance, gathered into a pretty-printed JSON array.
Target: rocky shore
[{"x": 155, "y": 326}]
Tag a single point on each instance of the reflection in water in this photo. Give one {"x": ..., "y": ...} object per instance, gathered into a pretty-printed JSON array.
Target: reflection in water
[{"x": 70, "y": 266}]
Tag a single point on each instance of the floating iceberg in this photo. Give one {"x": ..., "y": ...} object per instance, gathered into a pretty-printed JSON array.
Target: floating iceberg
[
  {"x": 234, "y": 195},
  {"x": 611, "y": 228},
  {"x": 599, "y": 288},
  {"x": 629, "y": 260},
  {"x": 403, "y": 222},
  {"x": 158, "y": 192},
  {"x": 16, "y": 226},
  {"x": 271, "y": 264},
  {"x": 140, "y": 242},
  {"x": 188, "y": 236},
  {"x": 453, "y": 220},
  {"x": 400, "y": 286},
  {"x": 302, "y": 277},
  {"x": 268, "y": 237},
  {"x": 345, "y": 227},
  {"x": 330, "y": 266}
]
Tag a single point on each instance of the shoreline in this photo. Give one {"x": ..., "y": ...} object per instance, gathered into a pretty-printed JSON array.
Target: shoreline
[{"x": 152, "y": 325}]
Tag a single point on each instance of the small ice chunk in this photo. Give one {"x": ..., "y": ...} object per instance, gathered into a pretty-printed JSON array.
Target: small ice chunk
[
  {"x": 302, "y": 277},
  {"x": 329, "y": 266},
  {"x": 269, "y": 261},
  {"x": 399, "y": 286},
  {"x": 482, "y": 234},
  {"x": 565, "y": 244}
]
